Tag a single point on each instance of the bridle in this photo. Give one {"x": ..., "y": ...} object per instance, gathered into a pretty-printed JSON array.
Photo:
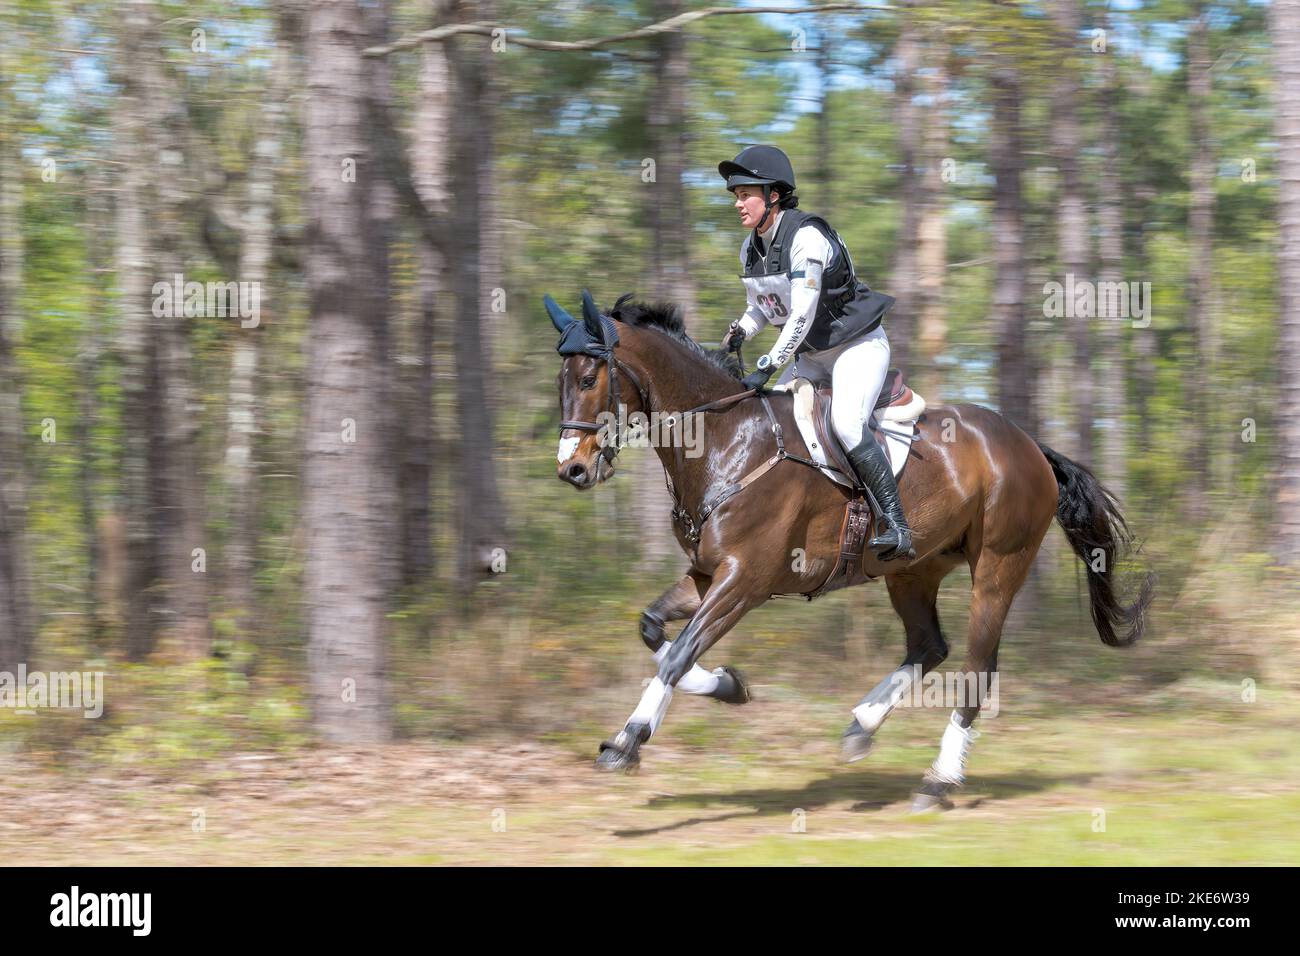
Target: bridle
[
  {"x": 597, "y": 336},
  {"x": 580, "y": 339},
  {"x": 609, "y": 450}
]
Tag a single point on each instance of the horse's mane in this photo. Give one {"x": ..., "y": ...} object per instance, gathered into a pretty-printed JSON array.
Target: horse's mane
[{"x": 667, "y": 318}]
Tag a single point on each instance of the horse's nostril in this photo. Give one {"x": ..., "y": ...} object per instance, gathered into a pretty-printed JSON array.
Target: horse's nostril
[{"x": 577, "y": 472}]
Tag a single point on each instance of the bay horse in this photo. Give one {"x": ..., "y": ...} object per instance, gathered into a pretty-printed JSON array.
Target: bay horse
[{"x": 976, "y": 490}]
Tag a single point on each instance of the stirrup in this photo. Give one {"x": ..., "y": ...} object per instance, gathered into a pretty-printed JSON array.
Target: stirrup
[{"x": 895, "y": 544}]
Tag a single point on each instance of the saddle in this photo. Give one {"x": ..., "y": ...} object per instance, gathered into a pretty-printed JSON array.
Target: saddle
[
  {"x": 897, "y": 402},
  {"x": 893, "y": 424}
]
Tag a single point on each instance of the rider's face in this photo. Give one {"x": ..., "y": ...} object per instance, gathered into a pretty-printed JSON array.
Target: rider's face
[{"x": 750, "y": 204}]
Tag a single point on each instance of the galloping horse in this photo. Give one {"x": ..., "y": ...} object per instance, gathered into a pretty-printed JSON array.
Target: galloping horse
[{"x": 976, "y": 489}]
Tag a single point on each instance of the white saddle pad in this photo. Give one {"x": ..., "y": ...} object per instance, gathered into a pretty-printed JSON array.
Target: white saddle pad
[{"x": 897, "y": 422}]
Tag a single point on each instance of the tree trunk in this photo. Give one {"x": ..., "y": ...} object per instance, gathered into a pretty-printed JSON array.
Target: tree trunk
[
  {"x": 162, "y": 474},
  {"x": 346, "y": 473},
  {"x": 1200, "y": 276},
  {"x": 481, "y": 510},
  {"x": 1112, "y": 404},
  {"x": 1285, "y": 21},
  {"x": 137, "y": 344},
  {"x": 245, "y": 358},
  {"x": 381, "y": 226},
  {"x": 100, "y": 224},
  {"x": 670, "y": 224},
  {"x": 932, "y": 232},
  {"x": 1015, "y": 365},
  {"x": 180, "y": 472},
  {"x": 1073, "y": 253},
  {"x": 824, "y": 172},
  {"x": 670, "y": 227},
  {"x": 17, "y": 621},
  {"x": 1146, "y": 345},
  {"x": 428, "y": 161},
  {"x": 902, "y": 318},
  {"x": 492, "y": 271}
]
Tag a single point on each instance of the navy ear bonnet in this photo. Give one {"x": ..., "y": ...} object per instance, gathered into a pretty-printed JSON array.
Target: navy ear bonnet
[{"x": 595, "y": 335}]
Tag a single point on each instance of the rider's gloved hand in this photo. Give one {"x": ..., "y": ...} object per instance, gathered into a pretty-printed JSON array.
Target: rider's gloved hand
[
  {"x": 757, "y": 379},
  {"x": 735, "y": 337}
]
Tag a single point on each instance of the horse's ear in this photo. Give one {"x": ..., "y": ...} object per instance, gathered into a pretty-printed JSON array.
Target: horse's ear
[
  {"x": 559, "y": 318},
  {"x": 590, "y": 313}
]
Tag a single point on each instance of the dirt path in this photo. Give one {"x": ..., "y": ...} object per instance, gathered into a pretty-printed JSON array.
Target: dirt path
[{"x": 1102, "y": 788}]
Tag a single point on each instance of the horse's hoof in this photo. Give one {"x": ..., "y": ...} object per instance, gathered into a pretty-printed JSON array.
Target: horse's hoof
[
  {"x": 933, "y": 795},
  {"x": 621, "y": 753},
  {"x": 612, "y": 760},
  {"x": 732, "y": 686},
  {"x": 856, "y": 743}
]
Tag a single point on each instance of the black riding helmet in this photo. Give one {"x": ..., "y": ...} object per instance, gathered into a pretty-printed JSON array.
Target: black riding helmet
[{"x": 759, "y": 166}]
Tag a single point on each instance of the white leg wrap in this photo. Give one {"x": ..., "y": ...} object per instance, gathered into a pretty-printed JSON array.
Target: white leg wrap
[
  {"x": 653, "y": 706},
  {"x": 884, "y": 697},
  {"x": 696, "y": 680},
  {"x": 950, "y": 766}
]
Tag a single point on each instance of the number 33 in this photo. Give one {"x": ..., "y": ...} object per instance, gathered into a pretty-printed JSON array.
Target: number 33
[{"x": 773, "y": 305}]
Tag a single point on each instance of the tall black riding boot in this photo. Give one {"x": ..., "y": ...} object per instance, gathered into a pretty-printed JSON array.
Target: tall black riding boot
[{"x": 872, "y": 465}]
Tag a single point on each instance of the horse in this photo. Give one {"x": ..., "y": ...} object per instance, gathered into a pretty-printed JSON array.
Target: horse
[{"x": 976, "y": 490}]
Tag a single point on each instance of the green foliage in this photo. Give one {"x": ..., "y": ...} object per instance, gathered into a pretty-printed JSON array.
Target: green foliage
[
  {"x": 165, "y": 713},
  {"x": 571, "y": 136}
]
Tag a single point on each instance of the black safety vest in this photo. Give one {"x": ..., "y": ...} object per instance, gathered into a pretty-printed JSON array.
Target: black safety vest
[{"x": 846, "y": 309}]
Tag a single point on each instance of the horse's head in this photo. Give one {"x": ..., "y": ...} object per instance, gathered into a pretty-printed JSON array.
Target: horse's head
[{"x": 593, "y": 384}]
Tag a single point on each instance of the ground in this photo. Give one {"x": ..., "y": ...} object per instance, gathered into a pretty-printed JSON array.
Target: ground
[{"x": 1193, "y": 776}]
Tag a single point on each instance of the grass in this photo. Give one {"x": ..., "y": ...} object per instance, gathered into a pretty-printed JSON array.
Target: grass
[{"x": 1164, "y": 785}]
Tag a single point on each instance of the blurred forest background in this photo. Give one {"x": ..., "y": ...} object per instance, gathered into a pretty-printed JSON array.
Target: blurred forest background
[{"x": 177, "y": 508}]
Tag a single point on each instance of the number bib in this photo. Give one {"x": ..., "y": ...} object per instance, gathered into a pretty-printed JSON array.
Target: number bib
[{"x": 770, "y": 294}]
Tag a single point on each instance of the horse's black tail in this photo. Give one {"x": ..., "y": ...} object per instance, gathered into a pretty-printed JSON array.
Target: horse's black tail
[{"x": 1091, "y": 519}]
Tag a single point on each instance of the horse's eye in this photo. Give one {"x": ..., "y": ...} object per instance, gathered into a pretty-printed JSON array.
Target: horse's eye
[{"x": 588, "y": 381}]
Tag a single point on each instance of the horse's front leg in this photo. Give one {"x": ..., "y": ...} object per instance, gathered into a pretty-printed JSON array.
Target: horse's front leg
[
  {"x": 677, "y": 603},
  {"x": 729, "y": 597}
]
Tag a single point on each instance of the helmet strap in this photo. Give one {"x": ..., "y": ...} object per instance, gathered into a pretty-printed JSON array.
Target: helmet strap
[{"x": 767, "y": 210}]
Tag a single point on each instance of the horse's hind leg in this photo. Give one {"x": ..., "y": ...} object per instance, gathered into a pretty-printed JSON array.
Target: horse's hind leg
[
  {"x": 914, "y": 593},
  {"x": 681, "y": 601},
  {"x": 996, "y": 579}
]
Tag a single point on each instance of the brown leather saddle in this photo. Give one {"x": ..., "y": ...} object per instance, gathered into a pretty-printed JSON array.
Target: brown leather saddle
[
  {"x": 894, "y": 392},
  {"x": 860, "y": 510}
]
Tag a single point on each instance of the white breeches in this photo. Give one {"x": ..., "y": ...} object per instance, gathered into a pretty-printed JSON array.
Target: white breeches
[{"x": 856, "y": 371}]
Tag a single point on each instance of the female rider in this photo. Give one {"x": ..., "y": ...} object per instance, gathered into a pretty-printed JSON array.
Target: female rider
[{"x": 798, "y": 275}]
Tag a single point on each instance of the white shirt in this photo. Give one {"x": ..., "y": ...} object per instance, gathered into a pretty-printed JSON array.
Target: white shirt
[{"x": 810, "y": 253}]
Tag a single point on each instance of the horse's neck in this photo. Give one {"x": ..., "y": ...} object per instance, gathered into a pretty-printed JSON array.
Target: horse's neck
[
  {"x": 675, "y": 379},
  {"x": 679, "y": 386}
]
